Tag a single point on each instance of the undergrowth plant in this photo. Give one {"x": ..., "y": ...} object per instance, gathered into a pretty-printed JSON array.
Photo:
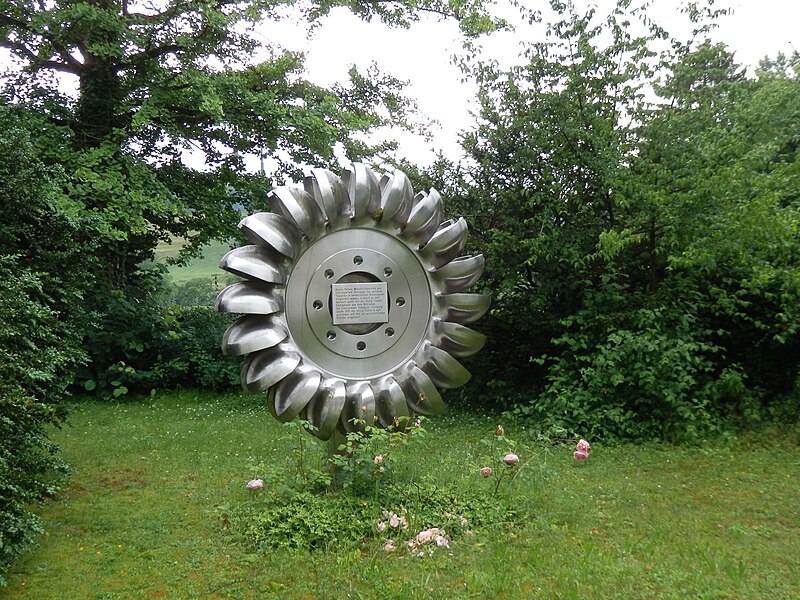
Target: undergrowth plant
[
  {"x": 362, "y": 459},
  {"x": 368, "y": 488},
  {"x": 499, "y": 450}
]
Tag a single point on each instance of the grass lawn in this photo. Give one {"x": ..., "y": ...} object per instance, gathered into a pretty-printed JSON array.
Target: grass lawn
[{"x": 139, "y": 517}]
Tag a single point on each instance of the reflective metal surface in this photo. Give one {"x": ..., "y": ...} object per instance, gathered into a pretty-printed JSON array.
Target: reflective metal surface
[{"x": 392, "y": 338}]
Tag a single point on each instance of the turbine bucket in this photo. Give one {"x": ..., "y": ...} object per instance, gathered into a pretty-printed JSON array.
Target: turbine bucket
[
  {"x": 397, "y": 197},
  {"x": 255, "y": 262},
  {"x": 359, "y": 407},
  {"x": 460, "y": 273},
  {"x": 444, "y": 370},
  {"x": 272, "y": 230},
  {"x": 265, "y": 368},
  {"x": 425, "y": 217},
  {"x": 448, "y": 241},
  {"x": 292, "y": 394},
  {"x": 325, "y": 408},
  {"x": 298, "y": 207},
  {"x": 421, "y": 394},
  {"x": 252, "y": 333},
  {"x": 390, "y": 402},
  {"x": 363, "y": 189},
  {"x": 456, "y": 339},
  {"x": 250, "y": 297},
  {"x": 464, "y": 308},
  {"x": 329, "y": 193}
]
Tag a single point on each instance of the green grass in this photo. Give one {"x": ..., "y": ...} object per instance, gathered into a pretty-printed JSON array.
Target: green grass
[
  {"x": 205, "y": 266},
  {"x": 138, "y": 519}
]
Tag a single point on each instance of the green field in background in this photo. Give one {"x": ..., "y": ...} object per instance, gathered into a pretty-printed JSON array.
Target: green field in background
[{"x": 205, "y": 266}]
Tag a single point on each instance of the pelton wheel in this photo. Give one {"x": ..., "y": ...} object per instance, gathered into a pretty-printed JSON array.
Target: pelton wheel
[{"x": 353, "y": 301}]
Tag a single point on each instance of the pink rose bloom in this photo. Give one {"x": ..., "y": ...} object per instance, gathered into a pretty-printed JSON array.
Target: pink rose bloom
[
  {"x": 389, "y": 546},
  {"x": 583, "y": 446},
  {"x": 486, "y": 471},
  {"x": 378, "y": 459},
  {"x": 580, "y": 455},
  {"x": 255, "y": 484},
  {"x": 511, "y": 459}
]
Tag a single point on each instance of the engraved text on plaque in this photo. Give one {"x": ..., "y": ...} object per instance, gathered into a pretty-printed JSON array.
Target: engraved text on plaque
[{"x": 360, "y": 303}]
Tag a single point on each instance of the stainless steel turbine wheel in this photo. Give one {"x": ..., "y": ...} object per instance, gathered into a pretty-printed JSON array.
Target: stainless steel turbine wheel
[{"x": 353, "y": 301}]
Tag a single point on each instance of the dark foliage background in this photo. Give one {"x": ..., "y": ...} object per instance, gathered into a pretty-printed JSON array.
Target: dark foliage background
[
  {"x": 636, "y": 198},
  {"x": 41, "y": 320}
]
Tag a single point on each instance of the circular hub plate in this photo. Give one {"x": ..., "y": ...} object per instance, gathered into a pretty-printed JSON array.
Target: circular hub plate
[{"x": 376, "y": 276}]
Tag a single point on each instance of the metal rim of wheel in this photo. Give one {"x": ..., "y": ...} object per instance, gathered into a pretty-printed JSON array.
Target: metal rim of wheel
[{"x": 353, "y": 301}]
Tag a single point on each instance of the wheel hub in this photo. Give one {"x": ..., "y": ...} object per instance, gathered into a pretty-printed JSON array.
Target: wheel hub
[{"x": 364, "y": 309}]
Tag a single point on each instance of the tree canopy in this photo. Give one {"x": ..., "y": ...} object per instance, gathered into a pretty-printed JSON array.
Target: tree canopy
[
  {"x": 153, "y": 81},
  {"x": 637, "y": 201}
]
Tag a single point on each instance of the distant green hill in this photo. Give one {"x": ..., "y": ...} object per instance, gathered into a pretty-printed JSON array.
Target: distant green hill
[{"x": 205, "y": 266}]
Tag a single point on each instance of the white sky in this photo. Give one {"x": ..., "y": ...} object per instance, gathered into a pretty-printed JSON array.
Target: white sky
[{"x": 421, "y": 55}]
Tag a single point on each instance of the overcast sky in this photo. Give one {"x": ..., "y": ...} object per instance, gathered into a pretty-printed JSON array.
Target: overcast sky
[{"x": 422, "y": 55}]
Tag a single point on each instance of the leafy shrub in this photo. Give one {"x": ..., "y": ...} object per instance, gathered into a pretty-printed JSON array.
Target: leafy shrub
[
  {"x": 191, "y": 355},
  {"x": 41, "y": 280},
  {"x": 124, "y": 340},
  {"x": 136, "y": 350},
  {"x": 35, "y": 362},
  {"x": 652, "y": 375},
  {"x": 364, "y": 456}
]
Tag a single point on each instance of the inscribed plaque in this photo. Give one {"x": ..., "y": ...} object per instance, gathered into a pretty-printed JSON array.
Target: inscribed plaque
[{"x": 360, "y": 303}]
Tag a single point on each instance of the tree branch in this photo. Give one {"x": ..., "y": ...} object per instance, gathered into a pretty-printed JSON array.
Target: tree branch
[
  {"x": 429, "y": 9},
  {"x": 67, "y": 64},
  {"x": 154, "y": 52}
]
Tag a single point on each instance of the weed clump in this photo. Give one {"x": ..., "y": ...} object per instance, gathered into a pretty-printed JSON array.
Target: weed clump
[{"x": 370, "y": 488}]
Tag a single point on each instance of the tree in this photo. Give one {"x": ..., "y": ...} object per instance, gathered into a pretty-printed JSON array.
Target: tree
[
  {"x": 636, "y": 201},
  {"x": 722, "y": 152},
  {"x": 154, "y": 81},
  {"x": 545, "y": 185}
]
